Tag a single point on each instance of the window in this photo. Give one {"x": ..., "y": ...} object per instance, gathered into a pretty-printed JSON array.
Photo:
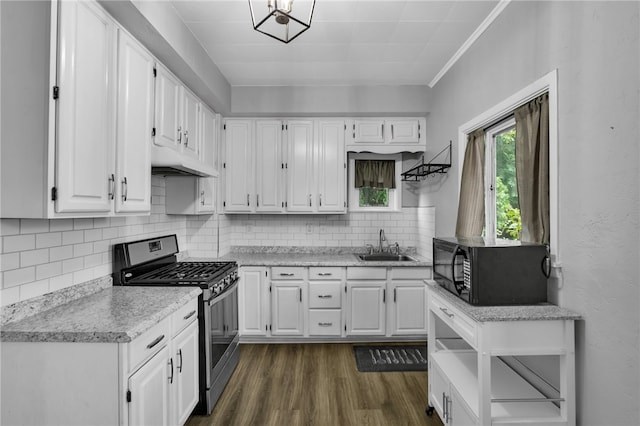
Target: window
[
  {"x": 370, "y": 198},
  {"x": 502, "y": 209}
]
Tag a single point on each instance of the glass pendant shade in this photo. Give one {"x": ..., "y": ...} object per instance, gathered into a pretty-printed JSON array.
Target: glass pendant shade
[{"x": 276, "y": 19}]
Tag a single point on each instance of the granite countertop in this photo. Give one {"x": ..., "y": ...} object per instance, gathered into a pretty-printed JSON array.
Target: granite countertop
[
  {"x": 317, "y": 259},
  {"x": 112, "y": 315},
  {"x": 540, "y": 312}
]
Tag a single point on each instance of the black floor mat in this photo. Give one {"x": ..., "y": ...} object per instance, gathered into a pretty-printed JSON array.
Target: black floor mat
[{"x": 391, "y": 358}]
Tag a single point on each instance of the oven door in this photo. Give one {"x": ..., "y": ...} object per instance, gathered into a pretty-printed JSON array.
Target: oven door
[{"x": 222, "y": 331}]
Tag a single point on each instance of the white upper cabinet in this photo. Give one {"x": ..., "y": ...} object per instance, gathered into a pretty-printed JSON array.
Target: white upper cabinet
[
  {"x": 135, "y": 118},
  {"x": 85, "y": 132},
  {"x": 238, "y": 165},
  {"x": 331, "y": 166},
  {"x": 167, "y": 109},
  {"x": 386, "y": 135},
  {"x": 300, "y": 171},
  {"x": 269, "y": 166},
  {"x": 96, "y": 107},
  {"x": 190, "y": 136}
]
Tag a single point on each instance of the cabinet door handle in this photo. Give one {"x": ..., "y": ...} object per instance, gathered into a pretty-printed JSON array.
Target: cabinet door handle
[
  {"x": 179, "y": 134},
  {"x": 112, "y": 186},
  {"x": 324, "y": 274},
  {"x": 320, "y": 200},
  {"x": 325, "y": 296},
  {"x": 392, "y": 132},
  {"x": 202, "y": 197},
  {"x": 300, "y": 294},
  {"x": 382, "y": 129},
  {"x": 384, "y": 295},
  {"x": 446, "y": 312},
  {"x": 444, "y": 407},
  {"x": 186, "y": 138},
  {"x": 325, "y": 324},
  {"x": 171, "y": 366},
  {"x": 395, "y": 290},
  {"x": 309, "y": 200},
  {"x": 286, "y": 274},
  {"x": 180, "y": 356},
  {"x": 125, "y": 189},
  {"x": 155, "y": 341},
  {"x": 248, "y": 201},
  {"x": 257, "y": 200},
  {"x": 189, "y": 315}
]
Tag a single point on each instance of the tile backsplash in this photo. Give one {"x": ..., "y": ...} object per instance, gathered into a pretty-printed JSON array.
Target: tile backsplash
[{"x": 39, "y": 255}]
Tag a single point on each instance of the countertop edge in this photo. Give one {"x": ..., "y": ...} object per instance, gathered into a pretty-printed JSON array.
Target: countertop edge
[{"x": 548, "y": 312}]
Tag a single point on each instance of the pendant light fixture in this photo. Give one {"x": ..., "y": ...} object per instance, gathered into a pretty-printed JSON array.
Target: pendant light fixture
[{"x": 279, "y": 22}]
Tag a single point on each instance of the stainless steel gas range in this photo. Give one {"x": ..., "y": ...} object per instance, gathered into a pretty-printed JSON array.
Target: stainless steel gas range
[{"x": 153, "y": 262}]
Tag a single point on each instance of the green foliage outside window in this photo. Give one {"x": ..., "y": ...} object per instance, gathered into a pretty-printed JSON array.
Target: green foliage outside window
[
  {"x": 508, "y": 221},
  {"x": 374, "y": 197}
]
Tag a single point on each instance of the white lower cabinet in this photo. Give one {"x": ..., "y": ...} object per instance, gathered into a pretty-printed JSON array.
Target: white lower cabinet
[
  {"x": 332, "y": 302},
  {"x": 152, "y": 380},
  {"x": 254, "y": 303},
  {"x": 472, "y": 379}
]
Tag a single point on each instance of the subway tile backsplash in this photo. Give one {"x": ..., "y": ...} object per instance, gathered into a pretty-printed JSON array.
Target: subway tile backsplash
[{"x": 41, "y": 256}]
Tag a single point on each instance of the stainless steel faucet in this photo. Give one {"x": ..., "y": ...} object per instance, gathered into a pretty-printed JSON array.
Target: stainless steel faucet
[{"x": 382, "y": 238}]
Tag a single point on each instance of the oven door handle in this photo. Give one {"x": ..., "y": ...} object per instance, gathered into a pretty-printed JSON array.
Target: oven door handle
[{"x": 234, "y": 284}]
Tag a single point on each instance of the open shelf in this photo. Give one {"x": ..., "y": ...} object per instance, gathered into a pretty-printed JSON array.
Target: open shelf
[{"x": 461, "y": 367}]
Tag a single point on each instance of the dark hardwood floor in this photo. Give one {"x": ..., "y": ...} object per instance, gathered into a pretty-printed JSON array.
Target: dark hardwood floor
[{"x": 316, "y": 384}]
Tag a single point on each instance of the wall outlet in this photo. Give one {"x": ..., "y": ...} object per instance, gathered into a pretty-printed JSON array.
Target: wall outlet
[{"x": 309, "y": 228}]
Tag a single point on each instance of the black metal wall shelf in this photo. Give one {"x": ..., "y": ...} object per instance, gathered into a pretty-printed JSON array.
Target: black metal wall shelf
[{"x": 425, "y": 169}]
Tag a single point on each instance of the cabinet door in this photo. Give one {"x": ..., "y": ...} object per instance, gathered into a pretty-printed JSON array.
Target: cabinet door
[
  {"x": 286, "y": 308},
  {"x": 438, "y": 389},
  {"x": 238, "y": 165},
  {"x": 403, "y": 131},
  {"x": 366, "y": 308},
  {"x": 331, "y": 166},
  {"x": 190, "y": 111},
  {"x": 459, "y": 412},
  {"x": 269, "y": 166},
  {"x": 368, "y": 131},
  {"x": 253, "y": 302},
  {"x": 149, "y": 387},
  {"x": 135, "y": 117},
  {"x": 300, "y": 171},
  {"x": 408, "y": 308},
  {"x": 85, "y": 145},
  {"x": 208, "y": 132},
  {"x": 167, "y": 109},
  {"x": 186, "y": 373}
]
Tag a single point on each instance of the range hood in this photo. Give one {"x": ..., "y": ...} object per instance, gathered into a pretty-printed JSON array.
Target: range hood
[{"x": 167, "y": 162}]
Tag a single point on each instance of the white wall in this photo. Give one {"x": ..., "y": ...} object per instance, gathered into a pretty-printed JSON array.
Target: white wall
[{"x": 595, "y": 47}]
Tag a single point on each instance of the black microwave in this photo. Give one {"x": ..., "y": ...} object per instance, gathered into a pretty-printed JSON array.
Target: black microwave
[{"x": 485, "y": 273}]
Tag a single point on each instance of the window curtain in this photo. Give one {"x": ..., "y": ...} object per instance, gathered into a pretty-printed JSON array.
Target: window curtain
[
  {"x": 471, "y": 204},
  {"x": 532, "y": 168},
  {"x": 375, "y": 174}
]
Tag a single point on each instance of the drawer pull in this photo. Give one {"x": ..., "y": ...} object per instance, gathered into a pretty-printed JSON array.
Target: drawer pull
[
  {"x": 325, "y": 324},
  {"x": 324, "y": 274},
  {"x": 189, "y": 315},
  {"x": 286, "y": 274},
  {"x": 325, "y": 296},
  {"x": 446, "y": 312},
  {"x": 155, "y": 342}
]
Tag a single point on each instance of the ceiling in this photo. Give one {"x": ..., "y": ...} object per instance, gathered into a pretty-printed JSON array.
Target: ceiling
[{"x": 350, "y": 42}]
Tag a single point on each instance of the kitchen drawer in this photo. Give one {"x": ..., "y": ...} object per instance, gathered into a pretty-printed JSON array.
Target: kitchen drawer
[
  {"x": 326, "y": 273},
  {"x": 464, "y": 326},
  {"x": 148, "y": 343},
  {"x": 366, "y": 273},
  {"x": 325, "y": 295},
  {"x": 325, "y": 322},
  {"x": 184, "y": 316},
  {"x": 410, "y": 273},
  {"x": 288, "y": 273}
]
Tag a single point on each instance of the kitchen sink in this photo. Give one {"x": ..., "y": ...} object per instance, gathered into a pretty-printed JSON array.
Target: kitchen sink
[{"x": 385, "y": 257}]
